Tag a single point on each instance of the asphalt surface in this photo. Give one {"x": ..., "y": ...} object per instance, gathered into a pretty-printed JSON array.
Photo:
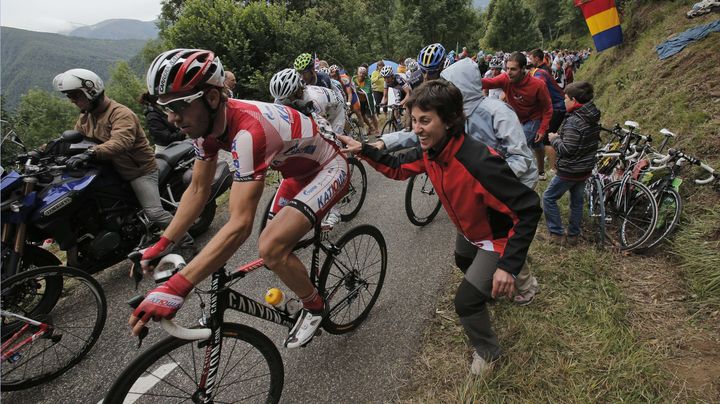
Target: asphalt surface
[{"x": 368, "y": 365}]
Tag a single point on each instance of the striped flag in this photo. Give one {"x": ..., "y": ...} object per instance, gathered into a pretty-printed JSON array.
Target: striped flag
[{"x": 604, "y": 22}]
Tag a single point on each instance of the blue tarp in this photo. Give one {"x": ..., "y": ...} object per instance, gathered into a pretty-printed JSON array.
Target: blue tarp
[
  {"x": 373, "y": 66},
  {"x": 679, "y": 42}
]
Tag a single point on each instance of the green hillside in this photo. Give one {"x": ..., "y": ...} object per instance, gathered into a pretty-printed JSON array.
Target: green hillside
[
  {"x": 32, "y": 59},
  {"x": 607, "y": 326}
]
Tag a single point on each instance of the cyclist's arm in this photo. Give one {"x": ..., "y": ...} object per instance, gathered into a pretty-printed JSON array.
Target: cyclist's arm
[
  {"x": 193, "y": 199},
  {"x": 244, "y": 198},
  {"x": 385, "y": 96}
]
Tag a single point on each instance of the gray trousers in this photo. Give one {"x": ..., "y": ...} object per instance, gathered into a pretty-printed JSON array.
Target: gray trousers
[
  {"x": 147, "y": 192},
  {"x": 475, "y": 291}
]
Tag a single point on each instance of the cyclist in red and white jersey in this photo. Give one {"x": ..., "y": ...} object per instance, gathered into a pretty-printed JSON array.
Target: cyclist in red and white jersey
[{"x": 189, "y": 84}]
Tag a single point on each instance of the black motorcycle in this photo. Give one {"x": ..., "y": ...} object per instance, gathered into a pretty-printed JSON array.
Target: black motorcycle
[{"x": 91, "y": 213}]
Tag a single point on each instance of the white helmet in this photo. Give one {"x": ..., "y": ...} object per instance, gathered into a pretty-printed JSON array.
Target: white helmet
[
  {"x": 284, "y": 83},
  {"x": 324, "y": 69},
  {"x": 80, "y": 79},
  {"x": 386, "y": 71},
  {"x": 412, "y": 66}
]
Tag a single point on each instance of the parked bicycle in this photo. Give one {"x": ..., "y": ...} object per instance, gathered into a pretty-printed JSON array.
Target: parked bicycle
[
  {"x": 51, "y": 317},
  {"x": 228, "y": 362}
]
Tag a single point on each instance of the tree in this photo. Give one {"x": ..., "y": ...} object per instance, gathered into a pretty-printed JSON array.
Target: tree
[
  {"x": 512, "y": 26},
  {"x": 43, "y": 116},
  {"x": 125, "y": 87}
]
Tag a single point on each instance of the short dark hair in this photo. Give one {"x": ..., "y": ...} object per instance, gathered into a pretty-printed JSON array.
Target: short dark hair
[
  {"x": 147, "y": 99},
  {"x": 582, "y": 91},
  {"x": 445, "y": 99},
  {"x": 538, "y": 53},
  {"x": 519, "y": 58}
]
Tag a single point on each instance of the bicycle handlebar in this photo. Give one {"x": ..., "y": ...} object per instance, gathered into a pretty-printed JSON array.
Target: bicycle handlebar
[{"x": 181, "y": 332}]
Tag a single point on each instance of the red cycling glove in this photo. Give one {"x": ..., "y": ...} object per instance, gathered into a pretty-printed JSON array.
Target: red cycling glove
[
  {"x": 165, "y": 300},
  {"x": 157, "y": 250}
]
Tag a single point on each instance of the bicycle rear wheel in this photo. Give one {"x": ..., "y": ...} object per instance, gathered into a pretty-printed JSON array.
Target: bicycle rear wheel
[
  {"x": 421, "y": 201},
  {"x": 74, "y": 322},
  {"x": 249, "y": 369},
  {"x": 351, "y": 203},
  {"x": 631, "y": 213},
  {"x": 352, "y": 279}
]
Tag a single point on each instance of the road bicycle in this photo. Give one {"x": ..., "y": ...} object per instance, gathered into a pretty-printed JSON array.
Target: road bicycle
[
  {"x": 51, "y": 317},
  {"x": 219, "y": 361},
  {"x": 422, "y": 203},
  {"x": 349, "y": 205},
  {"x": 394, "y": 120},
  {"x": 630, "y": 207},
  {"x": 663, "y": 178}
]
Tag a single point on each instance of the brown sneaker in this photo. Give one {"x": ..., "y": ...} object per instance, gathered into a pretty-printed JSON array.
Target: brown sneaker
[
  {"x": 572, "y": 240},
  {"x": 557, "y": 239}
]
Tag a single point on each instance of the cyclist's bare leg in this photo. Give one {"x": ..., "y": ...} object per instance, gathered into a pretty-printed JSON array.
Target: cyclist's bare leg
[{"x": 276, "y": 244}]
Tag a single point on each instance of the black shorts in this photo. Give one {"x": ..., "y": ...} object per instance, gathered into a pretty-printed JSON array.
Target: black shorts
[{"x": 555, "y": 122}]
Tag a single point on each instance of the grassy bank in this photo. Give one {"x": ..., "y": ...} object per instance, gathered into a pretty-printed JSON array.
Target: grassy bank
[
  {"x": 681, "y": 93},
  {"x": 609, "y": 327}
]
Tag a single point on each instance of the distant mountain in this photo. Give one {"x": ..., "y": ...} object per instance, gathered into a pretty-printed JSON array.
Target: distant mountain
[
  {"x": 118, "y": 29},
  {"x": 32, "y": 59},
  {"x": 481, "y": 4}
]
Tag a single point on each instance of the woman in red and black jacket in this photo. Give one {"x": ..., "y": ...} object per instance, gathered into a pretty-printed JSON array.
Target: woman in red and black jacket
[{"x": 495, "y": 214}]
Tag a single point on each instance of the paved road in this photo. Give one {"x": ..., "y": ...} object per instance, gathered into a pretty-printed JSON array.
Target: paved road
[{"x": 367, "y": 365}]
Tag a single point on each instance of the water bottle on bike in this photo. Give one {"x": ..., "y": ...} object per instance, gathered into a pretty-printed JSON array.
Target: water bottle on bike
[{"x": 277, "y": 298}]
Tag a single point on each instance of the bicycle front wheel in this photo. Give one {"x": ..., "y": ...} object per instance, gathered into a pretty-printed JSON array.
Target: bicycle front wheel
[
  {"x": 351, "y": 203},
  {"x": 249, "y": 370},
  {"x": 421, "y": 201},
  {"x": 669, "y": 211},
  {"x": 389, "y": 126},
  {"x": 631, "y": 213},
  {"x": 351, "y": 279},
  {"x": 72, "y": 325}
]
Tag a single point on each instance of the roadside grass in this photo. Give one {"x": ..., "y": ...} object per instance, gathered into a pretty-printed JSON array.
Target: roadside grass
[
  {"x": 574, "y": 343},
  {"x": 681, "y": 93}
]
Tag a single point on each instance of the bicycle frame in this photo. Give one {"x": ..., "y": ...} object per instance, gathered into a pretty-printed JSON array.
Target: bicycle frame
[
  {"x": 223, "y": 298},
  {"x": 7, "y": 352}
]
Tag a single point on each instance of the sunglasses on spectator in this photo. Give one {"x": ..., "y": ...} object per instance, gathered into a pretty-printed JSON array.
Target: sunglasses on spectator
[{"x": 178, "y": 105}]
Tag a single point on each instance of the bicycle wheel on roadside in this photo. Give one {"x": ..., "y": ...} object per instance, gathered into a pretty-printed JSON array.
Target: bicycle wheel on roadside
[
  {"x": 351, "y": 203},
  {"x": 669, "y": 210},
  {"x": 597, "y": 211},
  {"x": 352, "y": 279},
  {"x": 631, "y": 213},
  {"x": 421, "y": 201},
  {"x": 74, "y": 323},
  {"x": 249, "y": 370}
]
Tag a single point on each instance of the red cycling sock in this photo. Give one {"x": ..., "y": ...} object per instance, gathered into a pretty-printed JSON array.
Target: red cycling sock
[{"x": 314, "y": 302}]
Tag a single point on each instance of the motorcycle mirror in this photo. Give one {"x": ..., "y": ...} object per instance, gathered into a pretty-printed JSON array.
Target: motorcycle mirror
[{"x": 72, "y": 136}]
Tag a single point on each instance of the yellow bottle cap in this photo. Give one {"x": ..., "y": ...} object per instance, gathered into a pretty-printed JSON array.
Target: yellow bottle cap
[{"x": 273, "y": 296}]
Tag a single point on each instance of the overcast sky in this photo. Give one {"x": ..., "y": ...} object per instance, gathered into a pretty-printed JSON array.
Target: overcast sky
[{"x": 60, "y": 15}]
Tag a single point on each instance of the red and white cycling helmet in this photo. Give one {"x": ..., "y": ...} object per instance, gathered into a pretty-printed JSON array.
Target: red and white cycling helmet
[{"x": 184, "y": 70}]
